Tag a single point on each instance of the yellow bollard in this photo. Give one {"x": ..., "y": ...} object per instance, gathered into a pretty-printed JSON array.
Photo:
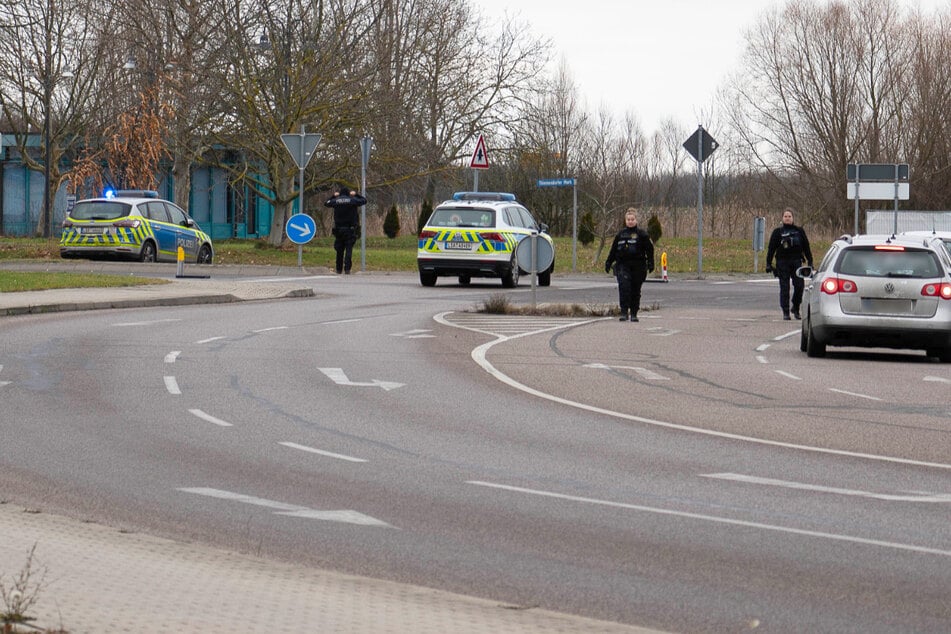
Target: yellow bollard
[
  {"x": 181, "y": 262},
  {"x": 663, "y": 266}
]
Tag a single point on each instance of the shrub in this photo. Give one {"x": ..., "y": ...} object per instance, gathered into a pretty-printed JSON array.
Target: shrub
[
  {"x": 654, "y": 229},
  {"x": 586, "y": 229},
  {"x": 424, "y": 213},
  {"x": 391, "y": 224}
]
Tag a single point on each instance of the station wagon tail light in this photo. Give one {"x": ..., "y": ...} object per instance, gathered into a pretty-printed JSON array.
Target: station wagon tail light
[
  {"x": 942, "y": 290},
  {"x": 128, "y": 223},
  {"x": 835, "y": 285},
  {"x": 426, "y": 234}
]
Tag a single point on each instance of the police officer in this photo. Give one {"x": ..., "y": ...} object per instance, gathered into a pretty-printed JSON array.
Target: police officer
[
  {"x": 791, "y": 247},
  {"x": 345, "y": 203},
  {"x": 633, "y": 254}
]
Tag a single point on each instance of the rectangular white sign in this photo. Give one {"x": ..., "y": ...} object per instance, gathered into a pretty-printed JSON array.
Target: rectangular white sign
[{"x": 878, "y": 191}]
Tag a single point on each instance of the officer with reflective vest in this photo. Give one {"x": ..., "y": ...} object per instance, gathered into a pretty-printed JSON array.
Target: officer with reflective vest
[
  {"x": 345, "y": 202},
  {"x": 632, "y": 255},
  {"x": 791, "y": 247}
]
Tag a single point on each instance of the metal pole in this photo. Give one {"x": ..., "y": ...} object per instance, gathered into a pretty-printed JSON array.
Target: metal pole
[
  {"x": 574, "y": 233},
  {"x": 858, "y": 168},
  {"x": 895, "y": 224},
  {"x": 47, "y": 133},
  {"x": 300, "y": 197},
  {"x": 700, "y": 205},
  {"x": 365, "y": 144},
  {"x": 475, "y": 180},
  {"x": 534, "y": 240}
]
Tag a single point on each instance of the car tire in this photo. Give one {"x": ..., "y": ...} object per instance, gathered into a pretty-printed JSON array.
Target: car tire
[
  {"x": 148, "y": 252},
  {"x": 465, "y": 280},
  {"x": 802, "y": 336},
  {"x": 544, "y": 278},
  {"x": 814, "y": 348},
  {"x": 510, "y": 275},
  {"x": 427, "y": 278},
  {"x": 205, "y": 254}
]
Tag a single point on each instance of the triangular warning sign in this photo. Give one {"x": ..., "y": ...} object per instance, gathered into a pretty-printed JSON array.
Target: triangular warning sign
[{"x": 480, "y": 158}]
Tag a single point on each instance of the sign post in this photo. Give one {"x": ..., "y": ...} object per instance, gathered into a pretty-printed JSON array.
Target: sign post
[
  {"x": 301, "y": 147},
  {"x": 366, "y": 144},
  {"x": 479, "y": 161},
  {"x": 567, "y": 182},
  {"x": 877, "y": 181},
  {"x": 700, "y": 145}
]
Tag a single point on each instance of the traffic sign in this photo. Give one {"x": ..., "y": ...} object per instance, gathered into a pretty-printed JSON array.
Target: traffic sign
[
  {"x": 544, "y": 254},
  {"x": 300, "y": 228},
  {"x": 888, "y": 172},
  {"x": 556, "y": 182},
  {"x": 480, "y": 158},
  {"x": 693, "y": 145},
  {"x": 301, "y": 146}
]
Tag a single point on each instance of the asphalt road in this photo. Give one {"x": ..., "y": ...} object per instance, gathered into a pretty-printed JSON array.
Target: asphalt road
[{"x": 692, "y": 472}]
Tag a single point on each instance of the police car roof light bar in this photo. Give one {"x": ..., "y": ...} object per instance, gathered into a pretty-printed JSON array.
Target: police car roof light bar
[
  {"x": 136, "y": 193},
  {"x": 484, "y": 196}
]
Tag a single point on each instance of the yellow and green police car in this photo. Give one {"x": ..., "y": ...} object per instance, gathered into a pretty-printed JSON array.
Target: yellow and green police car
[
  {"x": 134, "y": 224},
  {"x": 475, "y": 235}
]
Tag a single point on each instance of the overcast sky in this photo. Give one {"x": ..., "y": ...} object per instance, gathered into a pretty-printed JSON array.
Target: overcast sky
[{"x": 657, "y": 58}]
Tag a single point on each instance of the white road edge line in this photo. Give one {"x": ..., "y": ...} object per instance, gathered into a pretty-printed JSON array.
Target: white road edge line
[
  {"x": 209, "y": 340},
  {"x": 172, "y": 356},
  {"x": 762, "y": 347},
  {"x": 786, "y": 484},
  {"x": 479, "y": 356},
  {"x": 211, "y": 419},
  {"x": 762, "y": 359},
  {"x": 792, "y": 333},
  {"x": 720, "y": 520},
  {"x": 294, "y": 445},
  {"x": 788, "y": 375},
  {"x": 934, "y": 379},
  {"x": 257, "y": 332},
  {"x": 172, "y": 385}
]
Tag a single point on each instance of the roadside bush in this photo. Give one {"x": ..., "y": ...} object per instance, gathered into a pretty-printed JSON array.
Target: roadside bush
[
  {"x": 586, "y": 229},
  {"x": 654, "y": 229},
  {"x": 424, "y": 213},
  {"x": 391, "y": 224}
]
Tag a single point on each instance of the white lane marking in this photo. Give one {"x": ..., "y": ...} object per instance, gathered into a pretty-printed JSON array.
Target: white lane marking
[
  {"x": 172, "y": 385},
  {"x": 762, "y": 359},
  {"x": 294, "y": 445},
  {"x": 855, "y": 394},
  {"x": 268, "y": 280},
  {"x": 761, "y": 281},
  {"x": 171, "y": 356},
  {"x": 644, "y": 372},
  {"x": 209, "y": 340},
  {"x": 414, "y": 334},
  {"x": 891, "y": 497},
  {"x": 211, "y": 419},
  {"x": 934, "y": 379},
  {"x": 788, "y": 375},
  {"x": 341, "y": 321},
  {"x": 145, "y": 323},
  {"x": 762, "y": 347},
  {"x": 269, "y": 329},
  {"x": 3, "y": 383},
  {"x": 660, "y": 331},
  {"x": 290, "y": 510},
  {"x": 721, "y": 520},
  {"x": 789, "y": 334},
  {"x": 338, "y": 377},
  {"x": 479, "y": 353}
]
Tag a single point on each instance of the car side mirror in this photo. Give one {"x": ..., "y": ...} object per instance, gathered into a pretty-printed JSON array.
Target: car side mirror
[
  {"x": 188, "y": 223},
  {"x": 804, "y": 272},
  {"x": 543, "y": 227}
]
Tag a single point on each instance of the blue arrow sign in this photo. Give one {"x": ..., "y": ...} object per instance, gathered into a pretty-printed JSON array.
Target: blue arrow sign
[
  {"x": 556, "y": 182},
  {"x": 300, "y": 228}
]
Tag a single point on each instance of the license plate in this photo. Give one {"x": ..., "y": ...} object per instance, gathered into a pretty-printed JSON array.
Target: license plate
[
  {"x": 92, "y": 230},
  {"x": 458, "y": 246}
]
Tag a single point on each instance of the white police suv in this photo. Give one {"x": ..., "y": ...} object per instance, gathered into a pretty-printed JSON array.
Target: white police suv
[
  {"x": 475, "y": 235},
  {"x": 133, "y": 224}
]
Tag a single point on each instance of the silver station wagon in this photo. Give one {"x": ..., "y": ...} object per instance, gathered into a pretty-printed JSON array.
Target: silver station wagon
[{"x": 879, "y": 291}]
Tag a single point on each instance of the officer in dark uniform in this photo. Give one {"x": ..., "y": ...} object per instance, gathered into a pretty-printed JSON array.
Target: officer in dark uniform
[
  {"x": 633, "y": 254},
  {"x": 791, "y": 247},
  {"x": 345, "y": 202}
]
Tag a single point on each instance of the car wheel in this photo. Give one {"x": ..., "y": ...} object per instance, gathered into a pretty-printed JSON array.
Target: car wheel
[
  {"x": 427, "y": 278},
  {"x": 148, "y": 253},
  {"x": 464, "y": 280},
  {"x": 510, "y": 276},
  {"x": 204, "y": 254},
  {"x": 813, "y": 347},
  {"x": 544, "y": 279},
  {"x": 802, "y": 336}
]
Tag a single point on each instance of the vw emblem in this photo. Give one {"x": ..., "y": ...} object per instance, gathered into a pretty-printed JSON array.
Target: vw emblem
[{"x": 889, "y": 287}]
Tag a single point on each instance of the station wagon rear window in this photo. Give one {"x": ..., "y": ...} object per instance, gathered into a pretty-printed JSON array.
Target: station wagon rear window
[
  {"x": 876, "y": 263},
  {"x": 100, "y": 210}
]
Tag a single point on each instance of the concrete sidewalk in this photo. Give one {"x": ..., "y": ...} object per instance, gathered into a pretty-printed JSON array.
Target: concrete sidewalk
[{"x": 100, "y": 580}]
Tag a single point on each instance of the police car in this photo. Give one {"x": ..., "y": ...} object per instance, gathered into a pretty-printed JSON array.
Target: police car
[
  {"x": 475, "y": 235},
  {"x": 133, "y": 224}
]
